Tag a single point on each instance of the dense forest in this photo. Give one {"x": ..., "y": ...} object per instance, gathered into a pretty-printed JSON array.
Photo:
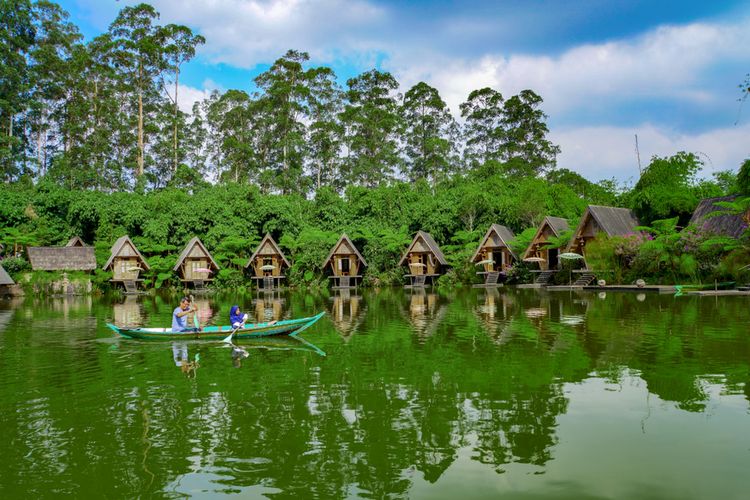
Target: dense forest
[{"x": 93, "y": 143}]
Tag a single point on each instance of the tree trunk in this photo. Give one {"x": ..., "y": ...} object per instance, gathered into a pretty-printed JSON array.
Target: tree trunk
[
  {"x": 140, "y": 122},
  {"x": 176, "y": 79}
]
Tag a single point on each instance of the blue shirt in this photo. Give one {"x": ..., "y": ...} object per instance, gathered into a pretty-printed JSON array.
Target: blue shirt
[{"x": 178, "y": 323}]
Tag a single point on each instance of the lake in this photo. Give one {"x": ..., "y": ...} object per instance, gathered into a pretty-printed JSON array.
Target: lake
[{"x": 393, "y": 394}]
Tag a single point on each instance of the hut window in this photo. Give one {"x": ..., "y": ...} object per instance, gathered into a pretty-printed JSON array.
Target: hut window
[
  {"x": 267, "y": 261},
  {"x": 344, "y": 265}
]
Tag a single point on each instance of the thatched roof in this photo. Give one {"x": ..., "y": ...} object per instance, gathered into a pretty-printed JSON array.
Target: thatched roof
[
  {"x": 718, "y": 225},
  {"x": 612, "y": 220},
  {"x": 503, "y": 238},
  {"x": 431, "y": 246},
  {"x": 75, "y": 241},
  {"x": 349, "y": 246},
  {"x": 5, "y": 278},
  {"x": 124, "y": 247},
  {"x": 269, "y": 247},
  {"x": 195, "y": 249},
  {"x": 62, "y": 258},
  {"x": 557, "y": 225}
]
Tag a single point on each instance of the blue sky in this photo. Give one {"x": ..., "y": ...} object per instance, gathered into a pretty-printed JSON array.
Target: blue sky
[{"x": 668, "y": 71}]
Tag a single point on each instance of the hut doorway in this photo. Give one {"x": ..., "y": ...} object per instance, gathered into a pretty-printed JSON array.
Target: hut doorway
[
  {"x": 345, "y": 266},
  {"x": 267, "y": 264},
  {"x": 498, "y": 258},
  {"x": 552, "y": 256}
]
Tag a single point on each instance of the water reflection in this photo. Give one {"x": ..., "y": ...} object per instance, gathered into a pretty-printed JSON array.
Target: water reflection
[
  {"x": 269, "y": 306},
  {"x": 182, "y": 359},
  {"x": 347, "y": 312},
  {"x": 425, "y": 311},
  {"x": 128, "y": 313},
  {"x": 517, "y": 390}
]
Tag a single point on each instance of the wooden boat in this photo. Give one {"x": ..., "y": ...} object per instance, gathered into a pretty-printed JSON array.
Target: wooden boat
[{"x": 286, "y": 327}]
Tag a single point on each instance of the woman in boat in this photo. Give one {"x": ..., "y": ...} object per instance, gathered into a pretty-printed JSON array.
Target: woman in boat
[
  {"x": 236, "y": 318},
  {"x": 179, "y": 323}
]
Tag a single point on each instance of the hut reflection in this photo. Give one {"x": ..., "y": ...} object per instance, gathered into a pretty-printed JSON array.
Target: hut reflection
[
  {"x": 495, "y": 311},
  {"x": 347, "y": 311},
  {"x": 269, "y": 306},
  {"x": 205, "y": 311},
  {"x": 426, "y": 311},
  {"x": 5, "y": 317},
  {"x": 70, "y": 303},
  {"x": 128, "y": 313}
]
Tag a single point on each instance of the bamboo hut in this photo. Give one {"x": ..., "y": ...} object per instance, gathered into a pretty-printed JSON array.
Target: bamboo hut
[
  {"x": 344, "y": 263},
  {"x": 424, "y": 259},
  {"x": 195, "y": 264},
  {"x": 494, "y": 254},
  {"x": 597, "y": 219},
  {"x": 267, "y": 264},
  {"x": 126, "y": 263},
  {"x": 547, "y": 258},
  {"x": 729, "y": 225},
  {"x": 74, "y": 258},
  {"x": 5, "y": 281}
]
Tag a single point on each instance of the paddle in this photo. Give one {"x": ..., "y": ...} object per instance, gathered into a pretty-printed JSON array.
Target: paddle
[
  {"x": 228, "y": 339},
  {"x": 196, "y": 321}
]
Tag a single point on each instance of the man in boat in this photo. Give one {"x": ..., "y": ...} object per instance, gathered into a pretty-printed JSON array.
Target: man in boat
[{"x": 179, "y": 321}]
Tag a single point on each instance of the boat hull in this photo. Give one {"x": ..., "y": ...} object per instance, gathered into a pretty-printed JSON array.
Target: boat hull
[{"x": 256, "y": 330}]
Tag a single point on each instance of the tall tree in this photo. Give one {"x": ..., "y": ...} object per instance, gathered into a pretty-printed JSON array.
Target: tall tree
[
  {"x": 239, "y": 138},
  {"x": 429, "y": 134},
  {"x": 51, "y": 77},
  {"x": 179, "y": 48},
  {"x": 284, "y": 97},
  {"x": 140, "y": 57},
  {"x": 483, "y": 129},
  {"x": 372, "y": 122},
  {"x": 525, "y": 147},
  {"x": 325, "y": 133},
  {"x": 17, "y": 34}
]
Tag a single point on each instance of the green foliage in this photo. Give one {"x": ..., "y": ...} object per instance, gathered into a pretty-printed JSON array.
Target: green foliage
[
  {"x": 667, "y": 188},
  {"x": 15, "y": 266},
  {"x": 561, "y": 241},
  {"x": 522, "y": 240},
  {"x": 743, "y": 178}
]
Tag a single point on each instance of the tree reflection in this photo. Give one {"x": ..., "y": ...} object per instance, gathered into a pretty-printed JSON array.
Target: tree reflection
[{"x": 427, "y": 378}]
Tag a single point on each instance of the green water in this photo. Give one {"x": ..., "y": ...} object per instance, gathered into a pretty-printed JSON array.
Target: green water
[{"x": 471, "y": 394}]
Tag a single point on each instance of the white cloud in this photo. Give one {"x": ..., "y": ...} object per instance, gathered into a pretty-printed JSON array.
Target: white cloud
[
  {"x": 187, "y": 96},
  {"x": 672, "y": 62},
  {"x": 605, "y": 152},
  {"x": 244, "y": 33}
]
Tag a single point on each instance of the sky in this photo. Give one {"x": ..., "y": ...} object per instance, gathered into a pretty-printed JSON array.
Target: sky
[{"x": 666, "y": 71}]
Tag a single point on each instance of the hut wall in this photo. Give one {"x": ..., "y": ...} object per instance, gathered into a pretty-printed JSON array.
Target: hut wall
[
  {"x": 338, "y": 265},
  {"x": 500, "y": 255},
  {"x": 191, "y": 264},
  {"x": 415, "y": 258},
  {"x": 263, "y": 260},
  {"x": 590, "y": 230},
  {"x": 427, "y": 259},
  {"x": 121, "y": 267}
]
